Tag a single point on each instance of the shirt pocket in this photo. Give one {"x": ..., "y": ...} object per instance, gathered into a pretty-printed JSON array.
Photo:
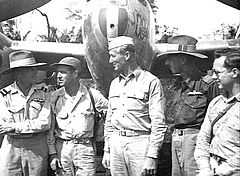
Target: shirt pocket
[
  {"x": 137, "y": 100},
  {"x": 232, "y": 127},
  {"x": 191, "y": 108},
  {"x": 17, "y": 112},
  {"x": 114, "y": 100},
  {"x": 82, "y": 121},
  {"x": 62, "y": 115},
  {"x": 34, "y": 109}
]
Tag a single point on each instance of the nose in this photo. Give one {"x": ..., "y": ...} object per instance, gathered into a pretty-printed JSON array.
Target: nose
[
  {"x": 59, "y": 75},
  {"x": 214, "y": 76},
  {"x": 110, "y": 59}
]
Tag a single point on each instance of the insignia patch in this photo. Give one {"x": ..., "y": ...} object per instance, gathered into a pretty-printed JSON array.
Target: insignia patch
[{"x": 194, "y": 92}]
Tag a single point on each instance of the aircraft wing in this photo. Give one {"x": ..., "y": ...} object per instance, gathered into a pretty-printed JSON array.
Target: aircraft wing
[
  {"x": 13, "y": 8},
  {"x": 48, "y": 52},
  {"x": 202, "y": 45},
  {"x": 233, "y": 3},
  {"x": 50, "y": 47},
  {"x": 77, "y": 49}
]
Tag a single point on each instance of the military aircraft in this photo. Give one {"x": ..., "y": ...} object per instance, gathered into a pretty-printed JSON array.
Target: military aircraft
[{"x": 103, "y": 20}]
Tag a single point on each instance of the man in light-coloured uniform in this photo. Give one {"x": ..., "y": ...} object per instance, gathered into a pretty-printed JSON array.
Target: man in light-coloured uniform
[
  {"x": 135, "y": 124},
  {"x": 218, "y": 144},
  {"x": 74, "y": 114},
  {"x": 25, "y": 120}
]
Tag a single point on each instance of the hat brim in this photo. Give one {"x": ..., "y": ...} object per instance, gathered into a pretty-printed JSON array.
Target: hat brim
[
  {"x": 55, "y": 65},
  {"x": 198, "y": 55},
  {"x": 9, "y": 70}
]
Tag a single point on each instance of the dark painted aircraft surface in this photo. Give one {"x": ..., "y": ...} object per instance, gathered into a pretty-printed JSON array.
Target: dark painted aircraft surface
[
  {"x": 13, "y": 8},
  {"x": 233, "y": 3}
]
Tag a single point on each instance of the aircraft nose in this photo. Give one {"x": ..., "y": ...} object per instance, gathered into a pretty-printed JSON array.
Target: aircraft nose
[{"x": 113, "y": 21}]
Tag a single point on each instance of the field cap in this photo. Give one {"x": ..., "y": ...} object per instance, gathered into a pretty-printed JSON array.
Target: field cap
[
  {"x": 69, "y": 61},
  {"x": 120, "y": 41}
]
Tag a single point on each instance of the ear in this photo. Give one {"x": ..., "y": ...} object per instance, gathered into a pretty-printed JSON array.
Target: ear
[
  {"x": 127, "y": 55},
  {"x": 236, "y": 72},
  {"x": 76, "y": 73}
]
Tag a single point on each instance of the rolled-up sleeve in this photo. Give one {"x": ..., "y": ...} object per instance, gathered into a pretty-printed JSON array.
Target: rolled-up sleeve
[{"x": 156, "y": 113}]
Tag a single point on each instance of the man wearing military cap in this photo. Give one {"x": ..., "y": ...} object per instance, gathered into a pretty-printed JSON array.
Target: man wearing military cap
[
  {"x": 74, "y": 130},
  {"x": 25, "y": 119},
  {"x": 135, "y": 122},
  {"x": 194, "y": 91}
]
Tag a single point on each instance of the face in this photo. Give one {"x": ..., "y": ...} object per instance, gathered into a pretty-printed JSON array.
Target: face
[
  {"x": 117, "y": 59},
  {"x": 222, "y": 74},
  {"x": 5, "y": 27},
  {"x": 174, "y": 63},
  {"x": 26, "y": 75},
  {"x": 41, "y": 76},
  {"x": 65, "y": 76}
]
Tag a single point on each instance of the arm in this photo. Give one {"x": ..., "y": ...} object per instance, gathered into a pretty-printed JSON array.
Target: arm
[
  {"x": 107, "y": 133},
  {"x": 6, "y": 121},
  {"x": 156, "y": 112},
  {"x": 201, "y": 154},
  {"x": 101, "y": 103},
  {"x": 158, "y": 127},
  {"x": 40, "y": 124},
  {"x": 108, "y": 129},
  {"x": 51, "y": 141}
]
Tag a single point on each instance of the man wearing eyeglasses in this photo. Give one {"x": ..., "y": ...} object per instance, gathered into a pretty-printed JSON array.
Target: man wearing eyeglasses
[{"x": 218, "y": 143}]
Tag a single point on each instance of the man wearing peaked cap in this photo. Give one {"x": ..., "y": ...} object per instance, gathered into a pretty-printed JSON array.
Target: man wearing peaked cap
[
  {"x": 73, "y": 108},
  {"x": 135, "y": 122},
  {"x": 25, "y": 119},
  {"x": 193, "y": 93}
]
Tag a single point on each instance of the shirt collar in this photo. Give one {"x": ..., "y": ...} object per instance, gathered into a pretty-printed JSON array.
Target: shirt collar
[
  {"x": 16, "y": 89},
  {"x": 236, "y": 97},
  {"x": 81, "y": 91},
  {"x": 134, "y": 74}
]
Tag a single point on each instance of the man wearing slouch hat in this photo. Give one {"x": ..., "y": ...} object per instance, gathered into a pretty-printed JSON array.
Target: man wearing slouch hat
[{"x": 25, "y": 119}]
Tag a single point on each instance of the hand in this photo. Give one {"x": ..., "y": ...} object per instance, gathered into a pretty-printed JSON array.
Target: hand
[
  {"x": 106, "y": 160},
  {"x": 206, "y": 172},
  {"x": 224, "y": 169},
  {"x": 55, "y": 163},
  {"x": 149, "y": 167},
  {"x": 6, "y": 128}
]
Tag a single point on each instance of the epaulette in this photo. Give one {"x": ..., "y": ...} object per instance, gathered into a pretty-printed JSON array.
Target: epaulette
[
  {"x": 208, "y": 79},
  {"x": 4, "y": 92}
]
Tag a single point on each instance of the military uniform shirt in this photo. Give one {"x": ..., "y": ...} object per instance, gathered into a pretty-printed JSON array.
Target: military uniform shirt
[
  {"x": 137, "y": 103},
  {"x": 75, "y": 116},
  {"x": 29, "y": 114},
  {"x": 226, "y": 131},
  {"x": 191, "y": 101}
]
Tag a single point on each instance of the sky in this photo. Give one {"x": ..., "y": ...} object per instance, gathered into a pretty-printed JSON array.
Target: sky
[
  {"x": 196, "y": 17},
  {"x": 192, "y": 17}
]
